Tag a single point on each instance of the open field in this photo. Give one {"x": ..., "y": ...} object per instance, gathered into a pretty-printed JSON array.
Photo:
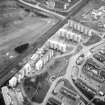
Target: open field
[
  {"x": 27, "y": 31},
  {"x": 18, "y": 26}
]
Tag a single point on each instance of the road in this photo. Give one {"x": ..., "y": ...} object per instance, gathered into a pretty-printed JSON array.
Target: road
[
  {"x": 69, "y": 73},
  {"x": 39, "y": 8},
  {"x": 36, "y": 6}
]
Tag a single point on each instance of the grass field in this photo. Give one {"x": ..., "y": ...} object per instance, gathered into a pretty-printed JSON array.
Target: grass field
[
  {"x": 27, "y": 31},
  {"x": 18, "y": 26}
]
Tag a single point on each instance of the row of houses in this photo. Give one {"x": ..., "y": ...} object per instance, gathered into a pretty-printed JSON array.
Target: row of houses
[
  {"x": 25, "y": 71},
  {"x": 57, "y": 45},
  {"x": 28, "y": 68},
  {"x": 70, "y": 35},
  {"x": 44, "y": 60},
  {"x": 39, "y": 53},
  {"x": 81, "y": 28}
]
